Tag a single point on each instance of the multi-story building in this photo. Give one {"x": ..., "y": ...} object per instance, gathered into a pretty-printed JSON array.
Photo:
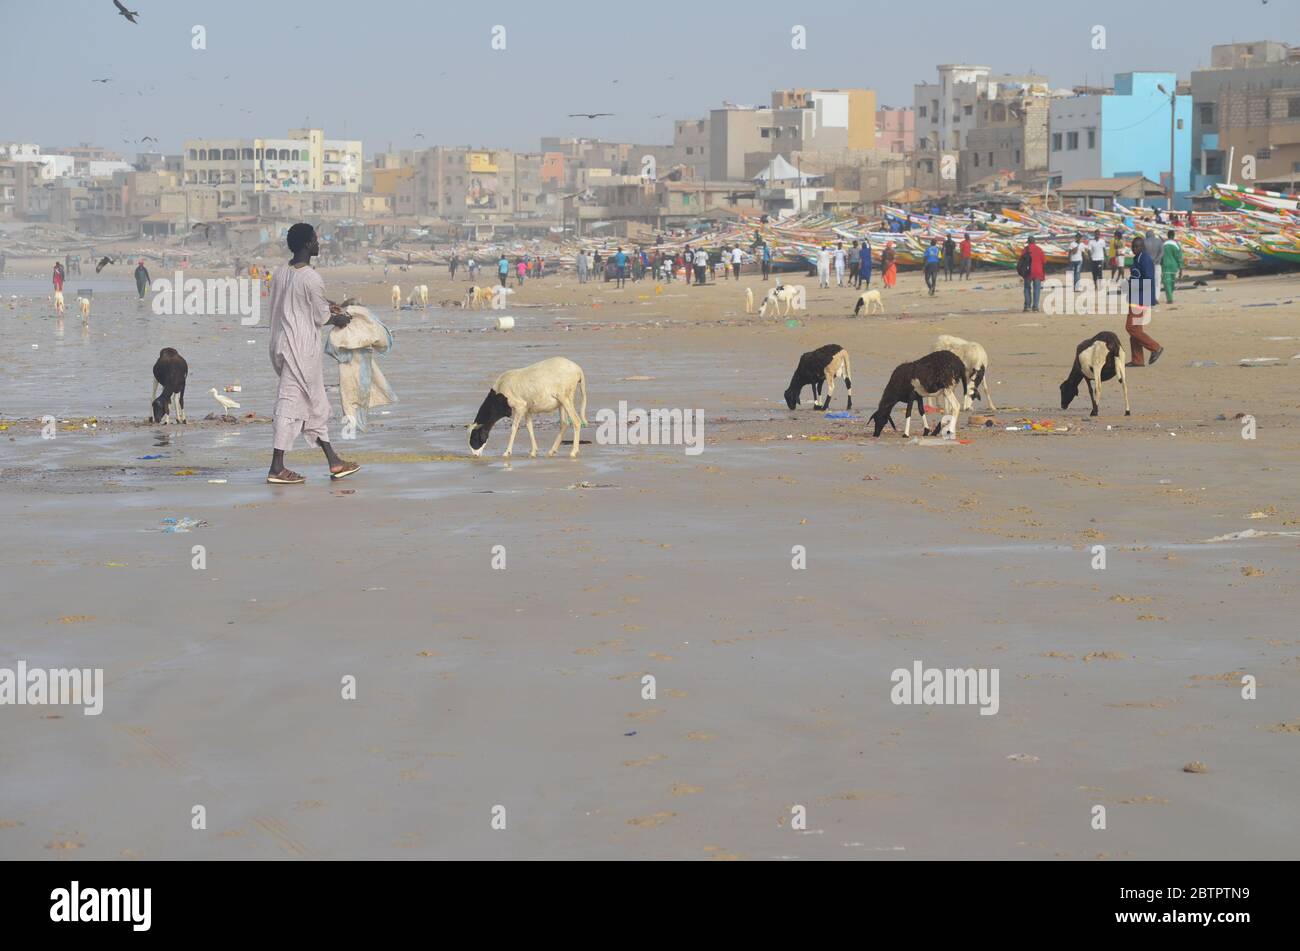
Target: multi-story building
[
  {"x": 1010, "y": 134},
  {"x": 475, "y": 186},
  {"x": 22, "y": 196},
  {"x": 743, "y": 139},
  {"x": 1124, "y": 133},
  {"x": 896, "y": 129},
  {"x": 946, "y": 113},
  {"x": 303, "y": 161},
  {"x": 1247, "y": 105}
]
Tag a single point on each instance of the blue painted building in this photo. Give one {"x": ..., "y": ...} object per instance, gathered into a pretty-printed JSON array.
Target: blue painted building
[{"x": 1123, "y": 133}]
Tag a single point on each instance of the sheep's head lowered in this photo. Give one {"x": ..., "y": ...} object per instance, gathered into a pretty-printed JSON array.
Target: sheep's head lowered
[{"x": 495, "y": 406}]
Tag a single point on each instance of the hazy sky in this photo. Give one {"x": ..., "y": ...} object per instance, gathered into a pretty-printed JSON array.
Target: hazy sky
[{"x": 384, "y": 70}]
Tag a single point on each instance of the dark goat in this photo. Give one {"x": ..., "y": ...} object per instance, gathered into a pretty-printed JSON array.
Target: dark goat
[
  {"x": 818, "y": 368},
  {"x": 910, "y": 383},
  {"x": 1097, "y": 359},
  {"x": 170, "y": 372}
]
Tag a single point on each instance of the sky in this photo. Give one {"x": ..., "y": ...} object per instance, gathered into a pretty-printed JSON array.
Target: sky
[{"x": 388, "y": 71}]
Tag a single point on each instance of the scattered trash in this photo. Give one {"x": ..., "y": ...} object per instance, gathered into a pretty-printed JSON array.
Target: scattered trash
[
  {"x": 174, "y": 526},
  {"x": 216, "y": 482},
  {"x": 159, "y": 455},
  {"x": 505, "y": 323},
  {"x": 184, "y": 472},
  {"x": 1195, "y": 766},
  {"x": 842, "y": 416},
  {"x": 1023, "y": 757},
  {"x": 1257, "y": 361},
  {"x": 630, "y": 733},
  {"x": 1203, "y": 363},
  {"x": 593, "y": 485}
]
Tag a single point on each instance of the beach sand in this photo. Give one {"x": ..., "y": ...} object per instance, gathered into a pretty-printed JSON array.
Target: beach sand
[{"x": 522, "y": 688}]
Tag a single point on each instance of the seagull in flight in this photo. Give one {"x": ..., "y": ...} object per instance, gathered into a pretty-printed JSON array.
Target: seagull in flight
[
  {"x": 148, "y": 138},
  {"x": 588, "y": 115},
  {"x": 129, "y": 14},
  {"x": 101, "y": 80}
]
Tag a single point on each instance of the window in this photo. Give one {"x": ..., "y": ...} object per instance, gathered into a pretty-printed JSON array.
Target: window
[
  {"x": 1017, "y": 156},
  {"x": 1214, "y": 164},
  {"x": 999, "y": 113},
  {"x": 1071, "y": 141},
  {"x": 1056, "y": 141},
  {"x": 1092, "y": 138},
  {"x": 690, "y": 150},
  {"x": 1207, "y": 113},
  {"x": 977, "y": 160},
  {"x": 990, "y": 160},
  {"x": 193, "y": 154},
  {"x": 228, "y": 155},
  {"x": 1264, "y": 153},
  {"x": 921, "y": 111},
  {"x": 924, "y": 144},
  {"x": 968, "y": 110},
  {"x": 1293, "y": 107}
]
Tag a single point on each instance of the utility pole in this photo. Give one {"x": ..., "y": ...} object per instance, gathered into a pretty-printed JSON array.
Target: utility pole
[{"x": 1173, "y": 126}]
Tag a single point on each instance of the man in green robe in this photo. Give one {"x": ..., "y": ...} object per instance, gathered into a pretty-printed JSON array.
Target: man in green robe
[{"x": 1171, "y": 263}]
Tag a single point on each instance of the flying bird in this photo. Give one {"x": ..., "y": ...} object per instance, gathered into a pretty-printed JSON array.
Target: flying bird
[
  {"x": 101, "y": 80},
  {"x": 129, "y": 14},
  {"x": 103, "y": 263},
  {"x": 588, "y": 115},
  {"x": 419, "y": 135},
  {"x": 227, "y": 404},
  {"x": 148, "y": 138}
]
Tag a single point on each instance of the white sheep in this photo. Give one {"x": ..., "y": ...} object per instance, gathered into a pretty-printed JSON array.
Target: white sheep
[
  {"x": 397, "y": 296},
  {"x": 521, "y": 394},
  {"x": 1098, "y": 358},
  {"x": 792, "y": 296},
  {"x": 976, "y": 360}
]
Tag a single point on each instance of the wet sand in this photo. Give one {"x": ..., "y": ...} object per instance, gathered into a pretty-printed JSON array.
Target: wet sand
[{"x": 522, "y": 687}]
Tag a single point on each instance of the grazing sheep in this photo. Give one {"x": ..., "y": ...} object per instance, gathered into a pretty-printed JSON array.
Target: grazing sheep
[
  {"x": 977, "y": 364},
  {"x": 910, "y": 383},
  {"x": 84, "y": 304},
  {"x": 397, "y": 296},
  {"x": 59, "y": 306},
  {"x": 1096, "y": 359},
  {"x": 871, "y": 300},
  {"x": 170, "y": 372},
  {"x": 424, "y": 295},
  {"x": 749, "y": 300},
  {"x": 818, "y": 368},
  {"x": 791, "y": 295},
  {"x": 521, "y": 394},
  {"x": 477, "y": 297}
]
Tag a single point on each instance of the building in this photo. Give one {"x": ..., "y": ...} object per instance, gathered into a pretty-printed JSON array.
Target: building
[
  {"x": 1124, "y": 133},
  {"x": 743, "y": 139},
  {"x": 21, "y": 192},
  {"x": 1010, "y": 137},
  {"x": 1101, "y": 194},
  {"x": 303, "y": 161},
  {"x": 477, "y": 186},
  {"x": 947, "y": 112},
  {"x": 53, "y": 165},
  {"x": 1247, "y": 104},
  {"x": 896, "y": 129}
]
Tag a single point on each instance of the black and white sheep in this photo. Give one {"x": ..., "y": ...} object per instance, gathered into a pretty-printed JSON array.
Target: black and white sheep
[
  {"x": 521, "y": 394},
  {"x": 170, "y": 372},
  {"x": 976, "y": 360},
  {"x": 910, "y": 383},
  {"x": 1096, "y": 359},
  {"x": 818, "y": 368}
]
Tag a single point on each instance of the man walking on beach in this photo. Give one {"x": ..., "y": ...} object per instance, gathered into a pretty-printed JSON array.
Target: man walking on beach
[
  {"x": 767, "y": 261},
  {"x": 737, "y": 257},
  {"x": 1142, "y": 289},
  {"x": 824, "y": 267},
  {"x": 701, "y": 265},
  {"x": 1032, "y": 268},
  {"x": 1171, "y": 265},
  {"x": 839, "y": 264},
  {"x": 966, "y": 256},
  {"x": 855, "y": 263},
  {"x": 298, "y": 311},
  {"x": 932, "y": 266},
  {"x": 864, "y": 264},
  {"x": 1097, "y": 250},
  {"x": 949, "y": 257},
  {"x": 141, "y": 279},
  {"x": 620, "y": 267}
]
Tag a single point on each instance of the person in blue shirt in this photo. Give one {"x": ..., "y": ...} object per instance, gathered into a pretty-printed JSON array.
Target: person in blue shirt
[
  {"x": 620, "y": 263},
  {"x": 932, "y": 265},
  {"x": 864, "y": 264},
  {"x": 503, "y": 269},
  {"x": 767, "y": 261},
  {"x": 1141, "y": 295}
]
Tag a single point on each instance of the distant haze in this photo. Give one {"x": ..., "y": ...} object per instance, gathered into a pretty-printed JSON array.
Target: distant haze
[{"x": 375, "y": 71}]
